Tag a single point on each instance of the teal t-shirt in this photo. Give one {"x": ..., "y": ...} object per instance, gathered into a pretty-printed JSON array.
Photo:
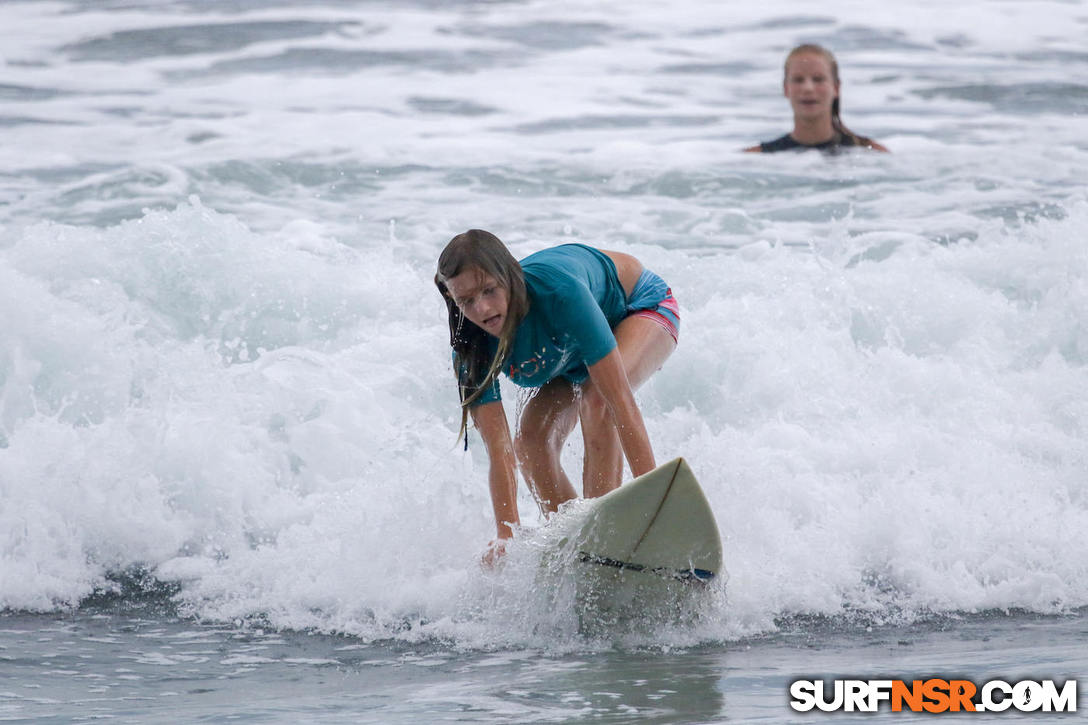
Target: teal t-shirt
[{"x": 575, "y": 299}]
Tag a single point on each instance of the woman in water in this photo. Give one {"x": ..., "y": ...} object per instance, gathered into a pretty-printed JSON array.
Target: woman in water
[
  {"x": 584, "y": 328},
  {"x": 812, "y": 86}
]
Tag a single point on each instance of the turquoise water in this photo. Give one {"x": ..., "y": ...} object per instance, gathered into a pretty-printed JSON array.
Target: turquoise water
[{"x": 228, "y": 469}]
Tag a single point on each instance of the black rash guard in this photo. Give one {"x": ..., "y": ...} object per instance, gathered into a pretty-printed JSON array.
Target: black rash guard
[{"x": 789, "y": 143}]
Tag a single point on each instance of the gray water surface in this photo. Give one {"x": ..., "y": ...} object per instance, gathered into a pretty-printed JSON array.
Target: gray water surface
[{"x": 148, "y": 667}]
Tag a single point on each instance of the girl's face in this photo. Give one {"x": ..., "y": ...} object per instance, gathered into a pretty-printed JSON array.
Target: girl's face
[
  {"x": 480, "y": 298},
  {"x": 810, "y": 85}
]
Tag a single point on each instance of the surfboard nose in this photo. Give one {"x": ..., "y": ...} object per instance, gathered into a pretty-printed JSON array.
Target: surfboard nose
[{"x": 660, "y": 521}]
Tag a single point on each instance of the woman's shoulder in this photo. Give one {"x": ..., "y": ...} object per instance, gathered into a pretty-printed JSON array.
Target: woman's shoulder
[
  {"x": 874, "y": 145},
  {"x": 852, "y": 139},
  {"x": 560, "y": 265},
  {"x": 560, "y": 255},
  {"x": 547, "y": 276}
]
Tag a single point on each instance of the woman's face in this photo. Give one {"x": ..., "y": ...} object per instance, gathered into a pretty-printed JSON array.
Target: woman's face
[
  {"x": 480, "y": 298},
  {"x": 810, "y": 85}
]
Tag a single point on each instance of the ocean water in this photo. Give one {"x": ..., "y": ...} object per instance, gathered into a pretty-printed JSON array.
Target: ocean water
[{"x": 230, "y": 486}]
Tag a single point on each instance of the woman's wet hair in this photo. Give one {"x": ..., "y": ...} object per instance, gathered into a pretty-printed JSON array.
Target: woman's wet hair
[
  {"x": 836, "y": 119},
  {"x": 476, "y": 369}
]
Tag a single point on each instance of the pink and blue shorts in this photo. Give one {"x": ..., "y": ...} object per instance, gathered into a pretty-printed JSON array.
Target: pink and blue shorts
[{"x": 652, "y": 298}]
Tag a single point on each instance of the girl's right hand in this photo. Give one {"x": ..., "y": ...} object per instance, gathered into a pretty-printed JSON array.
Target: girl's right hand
[{"x": 495, "y": 551}]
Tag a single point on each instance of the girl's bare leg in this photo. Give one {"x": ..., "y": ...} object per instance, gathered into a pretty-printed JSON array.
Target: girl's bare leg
[
  {"x": 546, "y": 421},
  {"x": 644, "y": 346}
]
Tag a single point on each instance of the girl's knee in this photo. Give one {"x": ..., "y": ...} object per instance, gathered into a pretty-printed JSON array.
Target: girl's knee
[
  {"x": 535, "y": 439},
  {"x": 526, "y": 446},
  {"x": 592, "y": 407}
]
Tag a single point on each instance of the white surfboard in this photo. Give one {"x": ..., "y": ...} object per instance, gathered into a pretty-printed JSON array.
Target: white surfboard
[
  {"x": 659, "y": 524},
  {"x": 649, "y": 547}
]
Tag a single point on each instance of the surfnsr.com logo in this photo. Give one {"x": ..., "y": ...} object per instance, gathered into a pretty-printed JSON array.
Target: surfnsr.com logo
[{"x": 933, "y": 695}]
